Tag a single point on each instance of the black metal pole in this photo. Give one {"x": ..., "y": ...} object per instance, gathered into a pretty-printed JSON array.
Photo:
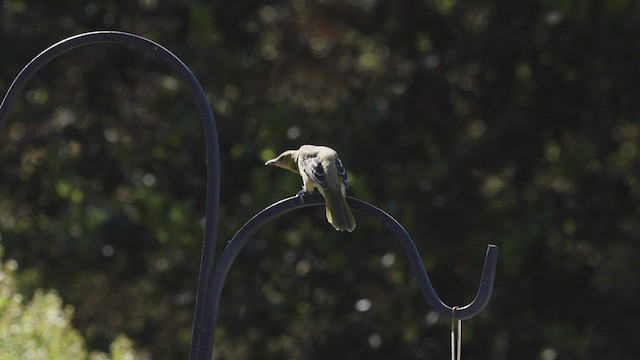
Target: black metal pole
[
  {"x": 211, "y": 138},
  {"x": 210, "y": 284}
]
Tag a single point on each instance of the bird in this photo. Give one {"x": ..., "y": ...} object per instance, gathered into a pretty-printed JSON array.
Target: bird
[{"x": 321, "y": 170}]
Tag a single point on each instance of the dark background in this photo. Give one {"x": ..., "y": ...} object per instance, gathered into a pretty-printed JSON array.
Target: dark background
[{"x": 470, "y": 121}]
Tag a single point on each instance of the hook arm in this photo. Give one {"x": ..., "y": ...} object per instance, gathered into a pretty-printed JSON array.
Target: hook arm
[
  {"x": 284, "y": 206},
  {"x": 486, "y": 282}
]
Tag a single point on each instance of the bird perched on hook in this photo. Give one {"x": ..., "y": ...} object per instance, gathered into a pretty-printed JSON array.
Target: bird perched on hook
[{"x": 322, "y": 170}]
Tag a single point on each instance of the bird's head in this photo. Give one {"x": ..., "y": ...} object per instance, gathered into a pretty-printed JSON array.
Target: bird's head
[{"x": 287, "y": 160}]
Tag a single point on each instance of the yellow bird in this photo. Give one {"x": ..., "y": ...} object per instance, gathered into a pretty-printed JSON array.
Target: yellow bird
[{"x": 322, "y": 170}]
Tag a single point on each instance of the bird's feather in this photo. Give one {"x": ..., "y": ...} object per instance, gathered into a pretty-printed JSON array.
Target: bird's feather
[
  {"x": 314, "y": 170},
  {"x": 342, "y": 172}
]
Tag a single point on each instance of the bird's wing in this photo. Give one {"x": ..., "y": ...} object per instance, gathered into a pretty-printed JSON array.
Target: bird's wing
[
  {"x": 342, "y": 172},
  {"x": 312, "y": 167}
]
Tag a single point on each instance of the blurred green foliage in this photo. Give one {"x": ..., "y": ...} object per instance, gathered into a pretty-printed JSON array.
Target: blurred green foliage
[
  {"x": 41, "y": 328},
  {"x": 472, "y": 122}
]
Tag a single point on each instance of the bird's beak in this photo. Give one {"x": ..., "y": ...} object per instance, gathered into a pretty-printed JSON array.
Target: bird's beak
[{"x": 271, "y": 162}]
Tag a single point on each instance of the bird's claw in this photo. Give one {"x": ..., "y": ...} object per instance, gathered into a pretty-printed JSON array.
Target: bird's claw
[{"x": 301, "y": 195}]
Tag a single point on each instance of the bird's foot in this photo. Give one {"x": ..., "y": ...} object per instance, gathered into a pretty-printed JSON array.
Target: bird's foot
[{"x": 301, "y": 195}]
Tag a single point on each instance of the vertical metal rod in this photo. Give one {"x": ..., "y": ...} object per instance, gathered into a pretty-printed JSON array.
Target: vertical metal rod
[{"x": 211, "y": 138}]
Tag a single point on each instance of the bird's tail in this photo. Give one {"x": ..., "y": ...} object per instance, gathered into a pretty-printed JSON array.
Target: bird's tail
[{"x": 338, "y": 212}]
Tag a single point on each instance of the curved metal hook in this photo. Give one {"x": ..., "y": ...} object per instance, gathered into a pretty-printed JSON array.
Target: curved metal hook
[
  {"x": 210, "y": 288},
  {"x": 293, "y": 203},
  {"x": 486, "y": 281},
  {"x": 210, "y": 130}
]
